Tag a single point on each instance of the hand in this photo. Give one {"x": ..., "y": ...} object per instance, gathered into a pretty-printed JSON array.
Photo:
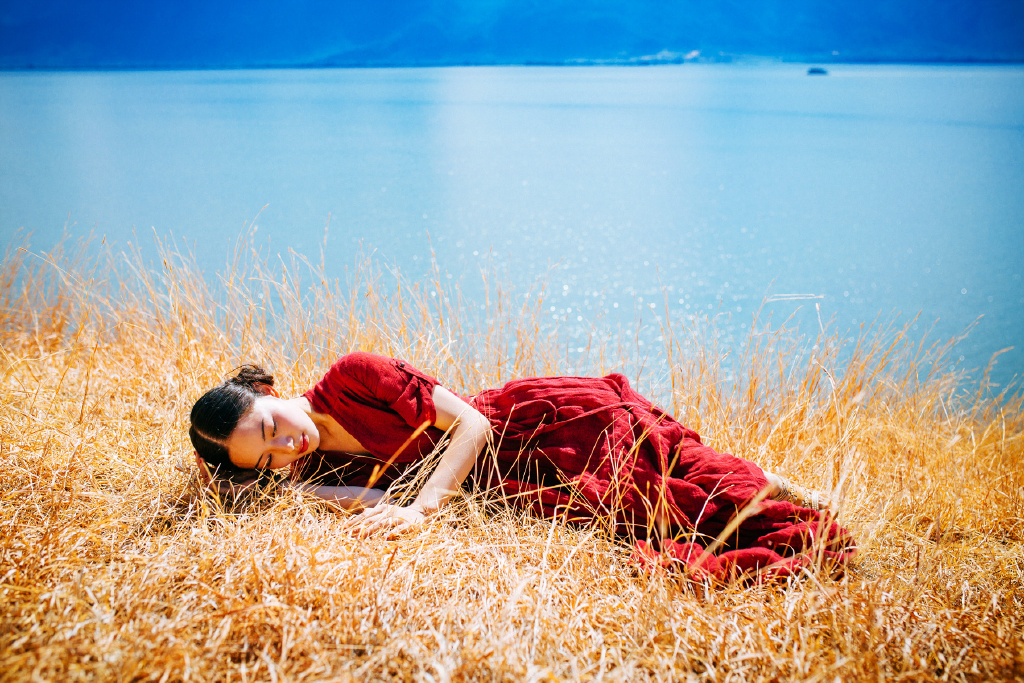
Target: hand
[
  {"x": 225, "y": 487},
  {"x": 384, "y": 517}
]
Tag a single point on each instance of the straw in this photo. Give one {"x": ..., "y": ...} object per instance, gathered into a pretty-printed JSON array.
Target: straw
[{"x": 115, "y": 565}]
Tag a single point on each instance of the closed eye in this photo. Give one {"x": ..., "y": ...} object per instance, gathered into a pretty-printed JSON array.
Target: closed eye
[{"x": 261, "y": 465}]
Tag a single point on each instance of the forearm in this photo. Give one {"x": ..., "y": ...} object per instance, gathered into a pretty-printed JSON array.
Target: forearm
[
  {"x": 468, "y": 439},
  {"x": 350, "y": 498}
]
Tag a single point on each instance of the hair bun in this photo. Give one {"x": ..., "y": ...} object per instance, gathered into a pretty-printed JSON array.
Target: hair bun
[{"x": 249, "y": 375}]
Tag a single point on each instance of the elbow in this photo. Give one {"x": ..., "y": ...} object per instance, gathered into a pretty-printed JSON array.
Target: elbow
[
  {"x": 481, "y": 425},
  {"x": 478, "y": 426}
]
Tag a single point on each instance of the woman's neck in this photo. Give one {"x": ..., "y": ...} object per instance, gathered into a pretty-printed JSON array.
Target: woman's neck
[{"x": 333, "y": 437}]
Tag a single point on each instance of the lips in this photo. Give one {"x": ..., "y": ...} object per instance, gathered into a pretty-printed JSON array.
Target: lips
[{"x": 304, "y": 444}]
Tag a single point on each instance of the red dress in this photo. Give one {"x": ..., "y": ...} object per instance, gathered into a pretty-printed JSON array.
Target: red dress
[{"x": 580, "y": 448}]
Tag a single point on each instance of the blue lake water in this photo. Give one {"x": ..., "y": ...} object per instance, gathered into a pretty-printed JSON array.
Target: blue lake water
[{"x": 879, "y": 189}]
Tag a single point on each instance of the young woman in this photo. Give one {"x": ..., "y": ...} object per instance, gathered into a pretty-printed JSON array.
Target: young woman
[{"x": 576, "y": 447}]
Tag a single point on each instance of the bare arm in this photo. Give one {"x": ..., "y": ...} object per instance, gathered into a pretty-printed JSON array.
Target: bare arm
[
  {"x": 470, "y": 431},
  {"x": 348, "y": 498}
]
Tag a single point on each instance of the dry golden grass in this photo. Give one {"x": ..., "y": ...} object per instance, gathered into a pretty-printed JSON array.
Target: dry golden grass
[{"x": 114, "y": 566}]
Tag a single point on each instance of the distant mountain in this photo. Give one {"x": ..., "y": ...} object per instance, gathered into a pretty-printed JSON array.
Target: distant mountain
[{"x": 195, "y": 34}]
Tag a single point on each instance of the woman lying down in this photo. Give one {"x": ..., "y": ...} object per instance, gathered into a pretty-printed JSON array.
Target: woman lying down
[{"x": 581, "y": 448}]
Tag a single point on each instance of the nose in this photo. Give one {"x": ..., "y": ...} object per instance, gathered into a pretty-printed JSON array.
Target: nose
[{"x": 284, "y": 443}]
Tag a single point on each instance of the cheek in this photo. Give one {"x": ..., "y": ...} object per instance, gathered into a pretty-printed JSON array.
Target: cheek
[
  {"x": 244, "y": 452},
  {"x": 300, "y": 422}
]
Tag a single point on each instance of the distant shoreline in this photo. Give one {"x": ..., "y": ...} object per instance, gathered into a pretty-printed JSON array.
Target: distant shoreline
[{"x": 738, "y": 60}]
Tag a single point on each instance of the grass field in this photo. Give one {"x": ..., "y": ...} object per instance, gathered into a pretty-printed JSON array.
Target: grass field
[{"x": 115, "y": 566}]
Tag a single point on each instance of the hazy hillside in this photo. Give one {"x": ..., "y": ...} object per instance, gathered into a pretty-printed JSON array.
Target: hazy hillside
[{"x": 189, "y": 33}]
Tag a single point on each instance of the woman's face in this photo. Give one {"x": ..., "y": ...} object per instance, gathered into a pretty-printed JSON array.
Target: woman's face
[{"x": 273, "y": 434}]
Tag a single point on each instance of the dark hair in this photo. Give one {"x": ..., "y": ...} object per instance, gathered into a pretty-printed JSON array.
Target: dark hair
[{"x": 217, "y": 412}]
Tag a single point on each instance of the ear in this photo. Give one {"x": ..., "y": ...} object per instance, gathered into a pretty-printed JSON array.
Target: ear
[
  {"x": 267, "y": 390},
  {"x": 204, "y": 469}
]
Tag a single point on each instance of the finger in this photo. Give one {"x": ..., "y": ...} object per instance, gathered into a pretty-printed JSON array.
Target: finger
[
  {"x": 383, "y": 522},
  {"x": 377, "y": 527},
  {"x": 359, "y": 517},
  {"x": 365, "y": 517},
  {"x": 353, "y": 523},
  {"x": 400, "y": 530},
  {"x": 367, "y": 530},
  {"x": 382, "y": 516},
  {"x": 394, "y": 523},
  {"x": 362, "y": 527}
]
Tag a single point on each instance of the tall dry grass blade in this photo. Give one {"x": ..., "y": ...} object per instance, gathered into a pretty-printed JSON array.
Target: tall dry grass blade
[{"x": 115, "y": 564}]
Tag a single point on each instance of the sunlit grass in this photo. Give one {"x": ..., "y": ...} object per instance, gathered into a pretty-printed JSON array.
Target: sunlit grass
[{"x": 113, "y": 564}]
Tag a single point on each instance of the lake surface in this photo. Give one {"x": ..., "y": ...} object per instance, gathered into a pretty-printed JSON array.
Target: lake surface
[{"x": 879, "y": 189}]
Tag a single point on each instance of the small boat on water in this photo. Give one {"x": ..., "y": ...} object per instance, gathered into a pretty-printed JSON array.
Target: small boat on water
[{"x": 817, "y": 71}]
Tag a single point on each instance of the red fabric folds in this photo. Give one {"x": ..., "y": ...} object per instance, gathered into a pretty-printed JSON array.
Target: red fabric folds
[
  {"x": 380, "y": 401},
  {"x": 583, "y": 448}
]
